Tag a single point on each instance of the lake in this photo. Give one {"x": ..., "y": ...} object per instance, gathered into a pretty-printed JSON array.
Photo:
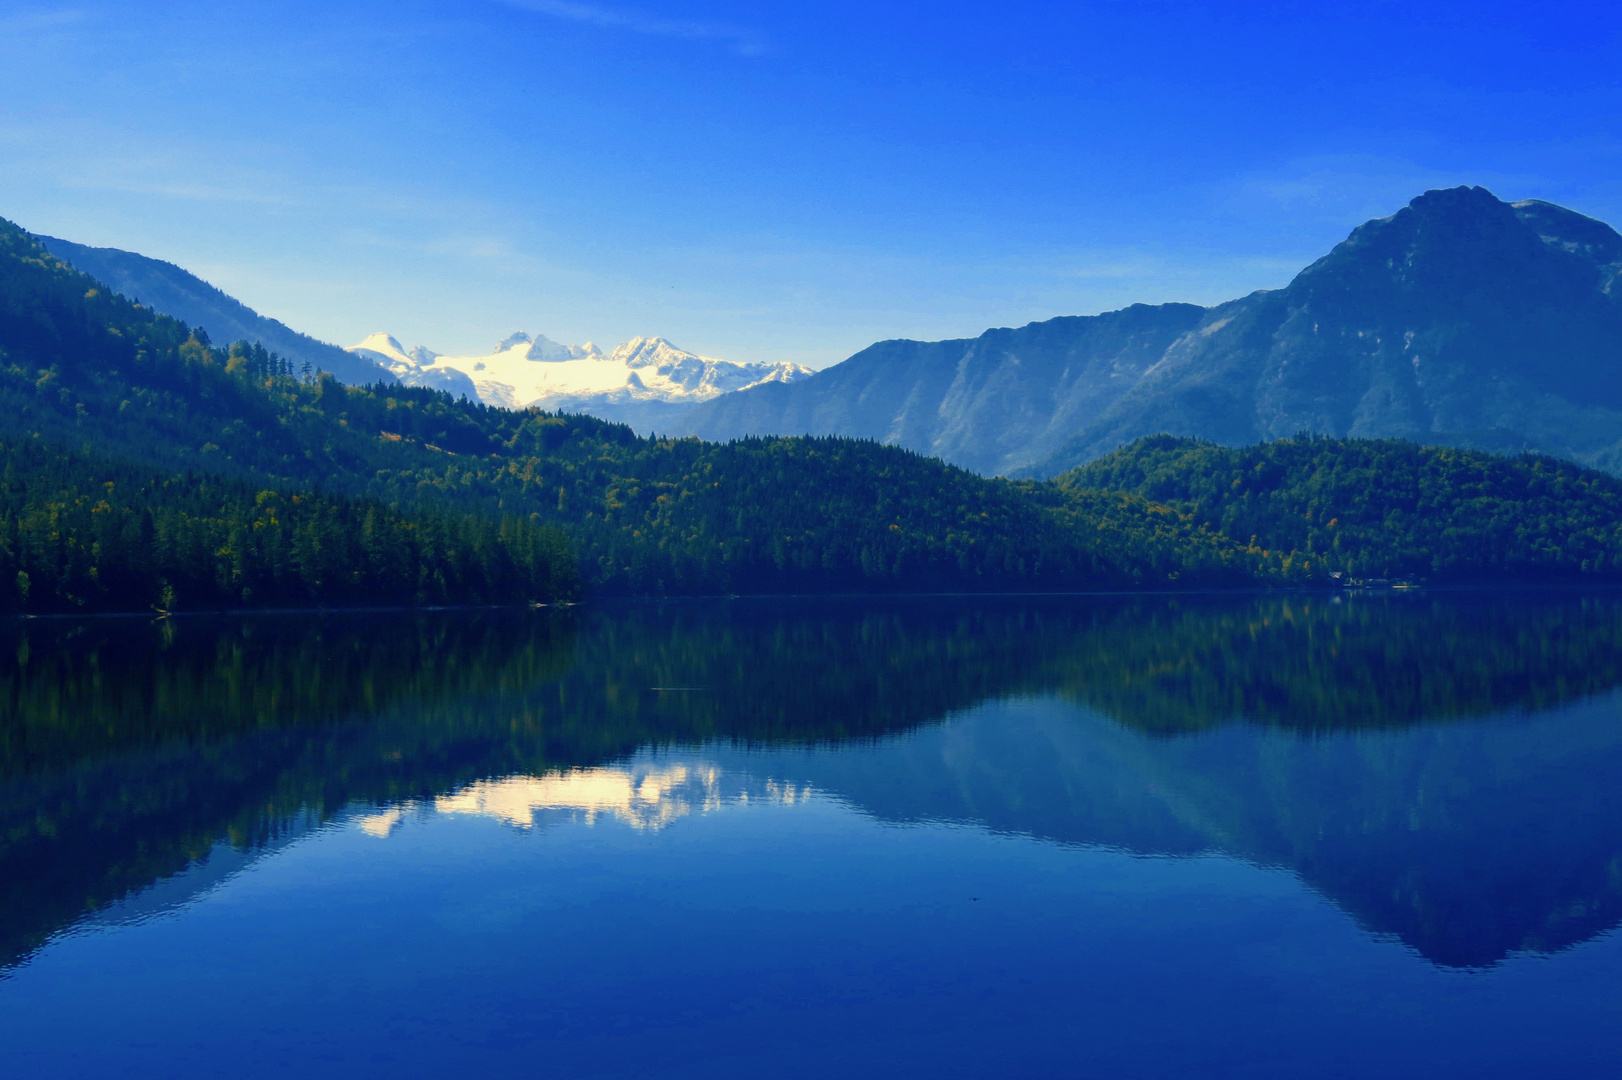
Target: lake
[{"x": 1276, "y": 835}]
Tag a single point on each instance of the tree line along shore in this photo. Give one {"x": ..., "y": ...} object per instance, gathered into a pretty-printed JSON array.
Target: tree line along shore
[{"x": 142, "y": 467}]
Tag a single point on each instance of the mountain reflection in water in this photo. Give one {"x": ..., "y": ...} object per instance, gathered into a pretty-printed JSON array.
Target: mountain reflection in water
[
  {"x": 641, "y": 796},
  {"x": 1441, "y": 767}
]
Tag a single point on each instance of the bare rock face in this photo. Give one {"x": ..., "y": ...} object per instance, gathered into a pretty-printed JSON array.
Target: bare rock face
[{"x": 1459, "y": 320}]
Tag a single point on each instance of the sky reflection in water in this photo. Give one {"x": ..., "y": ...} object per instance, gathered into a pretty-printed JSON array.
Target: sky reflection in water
[{"x": 1115, "y": 837}]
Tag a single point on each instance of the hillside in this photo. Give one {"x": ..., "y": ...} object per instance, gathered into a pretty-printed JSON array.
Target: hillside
[
  {"x": 194, "y": 439},
  {"x": 1460, "y": 320},
  {"x": 89, "y": 370},
  {"x": 1383, "y": 507},
  {"x": 998, "y": 403},
  {"x": 165, "y": 287},
  {"x": 78, "y": 533},
  {"x": 647, "y": 383}
]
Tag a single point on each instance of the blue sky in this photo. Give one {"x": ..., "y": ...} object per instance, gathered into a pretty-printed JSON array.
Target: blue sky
[{"x": 766, "y": 182}]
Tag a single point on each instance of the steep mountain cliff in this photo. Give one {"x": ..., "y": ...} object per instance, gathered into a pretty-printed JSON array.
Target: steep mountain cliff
[{"x": 1460, "y": 320}]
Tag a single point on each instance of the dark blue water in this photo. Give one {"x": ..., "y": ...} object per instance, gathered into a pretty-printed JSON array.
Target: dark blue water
[{"x": 1286, "y": 836}]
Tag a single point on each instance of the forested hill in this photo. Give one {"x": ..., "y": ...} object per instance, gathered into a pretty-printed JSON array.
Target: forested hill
[
  {"x": 1383, "y": 507},
  {"x": 85, "y": 371},
  {"x": 78, "y": 532},
  {"x": 144, "y": 467},
  {"x": 165, "y": 287}
]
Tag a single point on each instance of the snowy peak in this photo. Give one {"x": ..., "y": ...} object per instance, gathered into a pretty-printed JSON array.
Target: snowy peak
[
  {"x": 530, "y": 369},
  {"x": 386, "y": 349},
  {"x": 548, "y": 351},
  {"x": 642, "y": 352},
  {"x": 523, "y": 346},
  {"x": 698, "y": 377},
  {"x": 381, "y": 347},
  {"x": 414, "y": 368}
]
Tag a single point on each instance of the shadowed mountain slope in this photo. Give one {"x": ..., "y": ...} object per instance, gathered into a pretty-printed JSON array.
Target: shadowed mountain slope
[
  {"x": 87, "y": 374},
  {"x": 1460, "y": 320},
  {"x": 165, "y": 287},
  {"x": 999, "y": 402}
]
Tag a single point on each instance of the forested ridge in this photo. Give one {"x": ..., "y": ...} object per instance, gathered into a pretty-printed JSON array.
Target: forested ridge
[
  {"x": 1383, "y": 507},
  {"x": 76, "y": 532},
  {"x": 239, "y": 481},
  {"x": 98, "y": 375}
]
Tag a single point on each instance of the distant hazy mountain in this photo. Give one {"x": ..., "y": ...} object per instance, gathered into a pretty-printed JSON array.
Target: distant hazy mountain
[
  {"x": 1459, "y": 320},
  {"x": 1003, "y": 400},
  {"x": 413, "y": 367},
  {"x": 167, "y": 288},
  {"x": 646, "y": 382}
]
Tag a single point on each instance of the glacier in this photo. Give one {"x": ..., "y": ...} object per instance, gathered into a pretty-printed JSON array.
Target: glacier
[{"x": 525, "y": 370}]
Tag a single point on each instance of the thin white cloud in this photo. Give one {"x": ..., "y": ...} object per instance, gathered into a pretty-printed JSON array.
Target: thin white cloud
[
  {"x": 90, "y": 155},
  {"x": 26, "y": 22},
  {"x": 1344, "y": 188},
  {"x": 740, "y": 39}
]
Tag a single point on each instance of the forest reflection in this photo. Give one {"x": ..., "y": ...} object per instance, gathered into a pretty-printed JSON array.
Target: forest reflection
[{"x": 130, "y": 751}]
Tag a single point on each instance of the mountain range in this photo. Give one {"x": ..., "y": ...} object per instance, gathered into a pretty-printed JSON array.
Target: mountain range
[
  {"x": 146, "y": 467},
  {"x": 643, "y": 382},
  {"x": 1460, "y": 320},
  {"x": 646, "y": 382}
]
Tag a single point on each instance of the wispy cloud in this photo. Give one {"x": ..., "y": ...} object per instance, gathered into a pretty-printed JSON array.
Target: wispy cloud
[
  {"x": 1344, "y": 188},
  {"x": 26, "y": 22},
  {"x": 741, "y": 40},
  {"x": 91, "y": 155}
]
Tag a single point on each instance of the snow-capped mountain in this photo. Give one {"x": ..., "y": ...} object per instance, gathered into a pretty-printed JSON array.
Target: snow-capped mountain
[{"x": 523, "y": 370}]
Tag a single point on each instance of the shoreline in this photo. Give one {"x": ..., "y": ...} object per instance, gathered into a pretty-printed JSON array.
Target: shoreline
[{"x": 1299, "y": 590}]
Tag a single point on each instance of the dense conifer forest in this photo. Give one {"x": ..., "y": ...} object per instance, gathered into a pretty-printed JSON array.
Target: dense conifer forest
[
  {"x": 1384, "y": 507},
  {"x": 97, "y": 382},
  {"x": 82, "y": 532},
  {"x": 146, "y": 467}
]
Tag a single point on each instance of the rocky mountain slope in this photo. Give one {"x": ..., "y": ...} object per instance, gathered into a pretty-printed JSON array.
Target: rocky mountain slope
[
  {"x": 643, "y": 382},
  {"x": 1004, "y": 400},
  {"x": 1460, "y": 320},
  {"x": 165, "y": 287}
]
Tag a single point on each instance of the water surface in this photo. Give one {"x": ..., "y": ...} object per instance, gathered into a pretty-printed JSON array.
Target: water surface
[{"x": 1123, "y": 837}]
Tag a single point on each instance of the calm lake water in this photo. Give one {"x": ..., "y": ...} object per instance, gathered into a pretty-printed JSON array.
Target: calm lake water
[{"x": 1276, "y": 836}]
